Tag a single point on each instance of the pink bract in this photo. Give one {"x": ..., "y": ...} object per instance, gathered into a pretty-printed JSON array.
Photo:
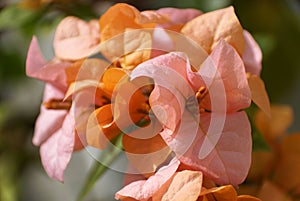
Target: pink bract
[
  {"x": 55, "y": 128},
  {"x": 178, "y": 16},
  {"x": 145, "y": 189},
  {"x": 252, "y": 55},
  {"x": 204, "y": 138}
]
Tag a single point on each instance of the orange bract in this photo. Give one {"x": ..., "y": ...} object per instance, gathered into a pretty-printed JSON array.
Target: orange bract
[
  {"x": 209, "y": 28},
  {"x": 145, "y": 154},
  {"x": 143, "y": 146},
  {"x": 101, "y": 127},
  {"x": 224, "y": 193},
  {"x": 123, "y": 16},
  {"x": 287, "y": 171},
  {"x": 86, "y": 69},
  {"x": 110, "y": 120},
  {"x": 130, "y": 104},
  {"x": 275, "y": 126},
  {"x": 185, "y": 185},
  {"x": 72, "y": 71},
  {"x": 134, "y": 46},
  {"x": 111, "y": 77},
  {"x": 259, "y": 94}
]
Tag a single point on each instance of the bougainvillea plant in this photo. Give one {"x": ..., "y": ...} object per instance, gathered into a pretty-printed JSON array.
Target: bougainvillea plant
[{"x": 168, "y": 88}]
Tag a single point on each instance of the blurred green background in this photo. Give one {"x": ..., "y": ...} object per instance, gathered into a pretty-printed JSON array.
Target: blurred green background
[{"x": 275, "y": 24}]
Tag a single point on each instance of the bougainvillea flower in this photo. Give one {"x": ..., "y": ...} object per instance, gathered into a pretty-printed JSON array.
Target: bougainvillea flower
[
  {"x": 188, "y": 104},
  {"x": 50, "y": 72},
  {"x": 146, "y": 155},
  {"x": 185, "y": 185},
  {"x": 275, "y": 126},
  {"x": 71, "y": 31},
  {"x": 48, "y": 121},
  {"x": 252, "y": 55},
  {"x": 177, "y": 17},
  {"x": 135, "y": 47},
  {"x": 108, "y": 121},
  {"x": 55, "y": 127},
  {"x": 127, "y": 107},
  {"x": 101, "y": 126},
  {"x": 170, "y": 183},
  {"x": 76, "y": 39},
  {"x": 122, "y": 16},
  {"x": 57, "y": 149},
  {"x": 224, "y": 193},
  {"x": 50, "y": 127},
  {"x": 146, "y": 189},
  {"x": 259, "y": 94},
  {"x": 228, "y": 160},
  {"x": 209, "y": 28},
  {"x": 145, "y": 152}
]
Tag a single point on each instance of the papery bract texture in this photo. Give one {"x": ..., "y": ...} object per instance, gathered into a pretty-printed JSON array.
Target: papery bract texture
[
  {"x": 49, "y": 121},
  {"x": 56, "y": 152},
  {"x": 130, "y": 37},
  {"x": 226, "y": 162},
  {"x": 177, "y": 17},
  {"x": 230, "y": 159},
  {"x": 224, "y": 69},
  {"x": 252, "y": 55},
  {"x": 185, "y": 185},
  {"x": 76, "y": 39},
  {"x": 37, "y": 67},
  {"x": 209, "y": 28},
  {"x": 259, "y": 94},
  {"x": 144, "y": 189}
]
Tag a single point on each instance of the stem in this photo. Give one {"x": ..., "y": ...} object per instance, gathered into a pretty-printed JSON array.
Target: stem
[{"x": 108, "y": 156}]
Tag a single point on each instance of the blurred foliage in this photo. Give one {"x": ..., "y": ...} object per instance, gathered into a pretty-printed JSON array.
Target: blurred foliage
[
  {"x": 107, "y": 157},
  {"x": 274, "y": 172},
  {"x": 258, "y": 141},
  {"x": 274, "y": 23},
  {"x": 14, "y": 152},
  {"x": 277, "y": 29}
]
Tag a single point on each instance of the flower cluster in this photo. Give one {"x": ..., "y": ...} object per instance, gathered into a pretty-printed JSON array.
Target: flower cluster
[{"x": 172, "y": 84}]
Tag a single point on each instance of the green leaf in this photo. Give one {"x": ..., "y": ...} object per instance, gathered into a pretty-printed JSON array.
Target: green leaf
[{"x": 107, "y": 157}]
